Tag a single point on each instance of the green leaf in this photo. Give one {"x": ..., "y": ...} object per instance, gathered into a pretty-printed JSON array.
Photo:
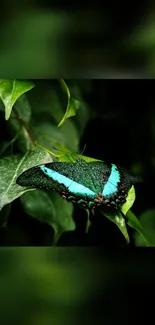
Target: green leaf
[
  {"x": 88, "y": 221},
  {"x": 23, "y": 108},
  {"x": 132, "y": 219},
  {"x": 49, "y": 135},
  {"x": 129, "y": 200},
  {"x": 10, "y": 90},
  {"x": 116, "y": 217},
  {"x": 50, "y": 208},
  {"x": 66, "y": 156},
  {"x": 46, "y": 102},
  {"x": 4, "y": 214},
  {"x": 21, "y": 116},
  {"x": 135, "y": 224},
  {"x": 84, "y": 113},
  {"x": 146, "y": 225},
  {"x": 72, "y": 105},
  {"x": 5, "y": 148},
  {"x": 89, "y": 159},
  {"x": 11, "y": 167}
]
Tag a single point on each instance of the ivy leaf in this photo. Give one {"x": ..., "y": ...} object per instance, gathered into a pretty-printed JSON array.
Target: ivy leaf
[
  {"x": 129, "y": 200},
  {"x": 11, "y": 90},
  {"x": 132, "y": 220},
  {"x": 21, "y": 112},
  {"x": 147, "y": 220},
  {"x": 138, "y": 226},
  {"x": 116, "y": 217},
  {"x": 72, "y": 105},
  {"x": 4, "y": 214},
  {"x": 65, "y": 155},
  {"x": 48, "y": 135},
  {"x": 11, "y": 167},
  {"x": 50, "y": 208}
]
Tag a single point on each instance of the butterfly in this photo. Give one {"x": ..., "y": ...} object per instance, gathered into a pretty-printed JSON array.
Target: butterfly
[{"x": 90, "y": 184}]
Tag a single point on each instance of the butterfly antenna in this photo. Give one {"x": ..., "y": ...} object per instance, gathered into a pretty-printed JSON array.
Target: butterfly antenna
[{"x": 84, "y": 148}]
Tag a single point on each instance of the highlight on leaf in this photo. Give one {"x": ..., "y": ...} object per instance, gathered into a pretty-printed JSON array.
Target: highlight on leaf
[
  {"x": 72, "y": 103},
  {"x": 11, "y": 90}
]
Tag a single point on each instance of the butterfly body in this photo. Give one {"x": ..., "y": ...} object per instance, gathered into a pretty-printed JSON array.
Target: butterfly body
[{"x": 88, "y": 184}]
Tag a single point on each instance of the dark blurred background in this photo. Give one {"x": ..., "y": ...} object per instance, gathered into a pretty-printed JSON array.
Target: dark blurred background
[
  {"x": 59, "y": 286},
  {"x": 43, "y": 39}
]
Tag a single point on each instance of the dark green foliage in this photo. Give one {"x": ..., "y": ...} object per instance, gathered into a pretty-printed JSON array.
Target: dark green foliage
[{"x": 31, "y": 136}]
